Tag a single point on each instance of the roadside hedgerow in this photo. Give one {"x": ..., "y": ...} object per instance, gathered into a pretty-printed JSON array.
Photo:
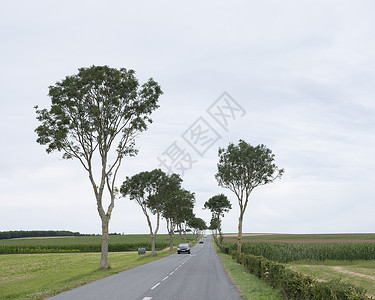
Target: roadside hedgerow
[{"x": 294, "y": 285}]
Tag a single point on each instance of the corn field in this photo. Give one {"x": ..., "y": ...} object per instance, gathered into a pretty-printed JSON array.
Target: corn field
[{"x": 287, "y": 252}]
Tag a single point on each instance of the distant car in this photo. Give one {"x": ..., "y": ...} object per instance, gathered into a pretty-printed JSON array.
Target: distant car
[
  {"x": 201, "y": 241},
  {"x": 183, "y": 248},
  {"x": 205, "y": 236}
]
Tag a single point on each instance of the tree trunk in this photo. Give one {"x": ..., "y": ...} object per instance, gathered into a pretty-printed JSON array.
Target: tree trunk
[
  {"x": 153, "y": 237},
  {"x": 219, "y": 229},
  {"x": 153, "y": 234},
  {"x": 185, "y": 232},
  {"x": 170, "y": 229},
  {"x": 105, "y": 241},
  {"x": 220, "y": 236},
  {"x": 179, "y": 234},
  {"x": 239, "y": 233},
  {"x": 171, "y": 240}
]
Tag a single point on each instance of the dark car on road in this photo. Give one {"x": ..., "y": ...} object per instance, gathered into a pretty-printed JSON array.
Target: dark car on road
[
  {"x": 201, "y": 241},
  {"x": 183, "y": 248}
]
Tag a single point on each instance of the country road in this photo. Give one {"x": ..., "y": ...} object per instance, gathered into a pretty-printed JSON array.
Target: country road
[{"x": 199, "y": 275}]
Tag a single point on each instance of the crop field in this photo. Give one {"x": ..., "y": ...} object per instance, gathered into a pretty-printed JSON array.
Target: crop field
[
  {"x": 342, "y": 257},
  {"x": 117, "y": 243},
  {"x": 303, "y": 238},
  {"x": 94, "y": 239},
  {"x": 285, "y": 248}
]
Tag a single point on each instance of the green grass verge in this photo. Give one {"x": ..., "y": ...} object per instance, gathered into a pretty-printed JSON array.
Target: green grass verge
[
  {"x": 358, "y": 272},
  {"x": 250, "y": 286},
  {"x": 36, "y": 276}
]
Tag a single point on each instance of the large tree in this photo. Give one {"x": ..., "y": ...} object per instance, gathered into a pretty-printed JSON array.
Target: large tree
[
  {"x": 242, "y": 168},
  {"x": 94, "y": 117},
  {"x": 218, "y": 205}
]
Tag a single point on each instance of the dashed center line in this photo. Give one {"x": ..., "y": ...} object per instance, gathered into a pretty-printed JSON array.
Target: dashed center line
[
  {"x": 155, "y": 286},
  {"x": 165, "y": 278}
]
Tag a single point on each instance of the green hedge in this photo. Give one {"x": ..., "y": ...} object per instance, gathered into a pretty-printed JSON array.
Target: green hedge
[
  {"x": 295, "y": 285},
  {"x": 24, "y": 249}
]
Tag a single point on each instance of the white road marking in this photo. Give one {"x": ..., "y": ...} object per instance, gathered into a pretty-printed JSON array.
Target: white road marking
[
  {"x": 165, "y": 278},
  {"x": 155, "y": 285},
  {"x": 171, "y": 273},
  {"x": 147, "y": 298}
]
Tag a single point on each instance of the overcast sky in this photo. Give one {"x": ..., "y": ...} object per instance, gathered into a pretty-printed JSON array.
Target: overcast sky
[{"x": 298, "y": 75}]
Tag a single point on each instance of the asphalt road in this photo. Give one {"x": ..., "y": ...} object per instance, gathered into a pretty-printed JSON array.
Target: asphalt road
[{"x": 199, "y": 275}]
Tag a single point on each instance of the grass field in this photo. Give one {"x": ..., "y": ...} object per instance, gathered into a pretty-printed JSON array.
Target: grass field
[
  {"x": 359, "y": 273},
  {"x": 303, "y": 238},
  {"x": 36, "y": 276}
]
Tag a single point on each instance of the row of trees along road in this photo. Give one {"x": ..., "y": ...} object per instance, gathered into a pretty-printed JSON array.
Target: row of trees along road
[
  {"x": 95, "y": 116},
  {"x": 161, "y": 195}
]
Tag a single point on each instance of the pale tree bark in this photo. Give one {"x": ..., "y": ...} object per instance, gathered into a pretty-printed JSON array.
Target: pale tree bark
[
  {"x": 153, "y": 251},
  {"x": 185, "y": 232},
  {"x": 239, "y": 237},
  {"x": 179, "y": 233},
  {"x": 152, "y": 233},
  {"x": 219, "y": 229},
  {"x": 240, "y": 219},
  {"x": 105, "y": 217},
  {"x": 98, "y": 191},
  {"x": 170, "y": 228},
  {"x": 105, "y": 242}
]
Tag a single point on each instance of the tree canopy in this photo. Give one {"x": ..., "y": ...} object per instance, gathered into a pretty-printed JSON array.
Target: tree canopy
[
  {"x": 218, "y": 205},
  {"x": 242, "y": 168}
]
